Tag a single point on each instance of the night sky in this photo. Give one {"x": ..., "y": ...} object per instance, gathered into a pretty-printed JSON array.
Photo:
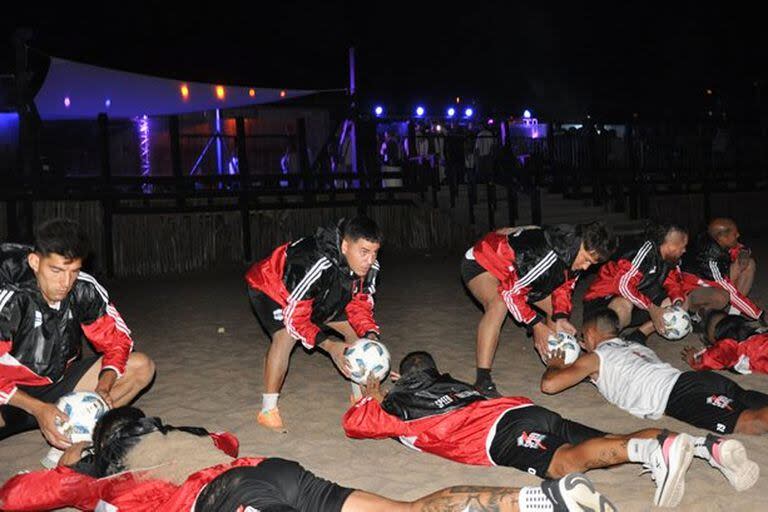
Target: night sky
[{"x": 560, "y": 60}]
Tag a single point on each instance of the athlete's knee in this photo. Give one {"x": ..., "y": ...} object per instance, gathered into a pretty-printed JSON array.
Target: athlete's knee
[
  {"x": 141, "y": 367},
  {"x": 752, "y": 422},
  {"x": 565, "y": 461},
  {"x": 623, "y": 308},
  {"x": 495, "y": 309}
]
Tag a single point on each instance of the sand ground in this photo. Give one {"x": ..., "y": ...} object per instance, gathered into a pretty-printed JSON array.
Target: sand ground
[{"x": 213, "y": 379}]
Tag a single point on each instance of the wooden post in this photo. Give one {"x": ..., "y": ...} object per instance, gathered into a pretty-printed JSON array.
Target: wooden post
[
  {"x": 179, "y": 184},
  {"x": 245, "y": 183},
  {"x": 107, "y": 197}
]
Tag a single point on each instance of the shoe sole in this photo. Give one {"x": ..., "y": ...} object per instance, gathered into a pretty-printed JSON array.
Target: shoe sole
[
  {"x": 680, "y": 457},
  {"x": 741, "y": 472},
  {"x": 580, "y": 495}
]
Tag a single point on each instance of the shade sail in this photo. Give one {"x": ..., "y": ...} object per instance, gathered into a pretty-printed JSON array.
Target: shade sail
[{"x": 73, "y": 90}]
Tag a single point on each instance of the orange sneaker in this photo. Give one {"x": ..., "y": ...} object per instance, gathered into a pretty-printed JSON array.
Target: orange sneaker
[{"x": 271, "y": 419}]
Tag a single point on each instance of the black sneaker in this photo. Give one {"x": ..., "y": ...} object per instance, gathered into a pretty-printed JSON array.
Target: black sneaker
[
  {"x": 488, "y": 389},
  {"x": 637, "y": 337}
]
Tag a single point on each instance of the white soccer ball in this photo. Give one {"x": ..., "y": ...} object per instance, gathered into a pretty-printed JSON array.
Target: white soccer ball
[
  {"x": 677, "y": 323},
  {"x": 84, "y": 409},
  {"x": 567, "y": 343},
  {"x": 365, "y": 357}
]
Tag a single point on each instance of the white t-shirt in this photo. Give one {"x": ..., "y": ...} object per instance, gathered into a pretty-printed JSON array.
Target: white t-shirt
[{"x": 634, "y": 378}]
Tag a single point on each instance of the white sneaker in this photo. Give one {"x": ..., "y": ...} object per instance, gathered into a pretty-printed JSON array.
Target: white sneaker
[
  {"x": 51, "y": 459},
  {"x": 575, "y": 492},
  {"x": 668, "y": 465},
  {"x": 730, "y": 457}
]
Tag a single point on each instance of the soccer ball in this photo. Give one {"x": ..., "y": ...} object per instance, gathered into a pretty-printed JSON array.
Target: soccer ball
[
  {"x": 677, "y": 323},
  {"x": 367, "y": 356},
  {"x": 567, "y": 343},
  {"x": 84, "y": 409}
]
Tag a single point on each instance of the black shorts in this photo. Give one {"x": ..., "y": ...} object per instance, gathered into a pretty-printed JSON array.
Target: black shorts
[
  {"x": 527, "y": 438},
  {"x": 270, "y": 313},
  {"x": 274, "y": 485},
  {"x": 17, "y": 420},
  {"x": 711, "y": 401},
  {"x": 639, "y": 316},
  {"x": 470, "y": 269}
]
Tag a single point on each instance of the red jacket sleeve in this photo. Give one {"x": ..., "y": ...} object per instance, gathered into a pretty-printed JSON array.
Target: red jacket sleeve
[
  {"x": 112, "y": 338},
  {"x": 723, "y": 354},
  {"x": 48, "y": 490},
  {"x": 562, "y": 304},
  {"x": 673, "y": 284},
  {"x": 367, "y": 420},
  {"x": 738, "y": 299},
  {"x": 297, "y": 317},
  {"x": 516, "y": 300},
  {"x": 629, "y": 278},
  {"x": 360, "y": 314}
]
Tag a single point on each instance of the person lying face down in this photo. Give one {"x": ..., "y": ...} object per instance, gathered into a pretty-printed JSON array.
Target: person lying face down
[
  {"x": 138, "y": 463},
  {"x": 432, "y": 412}
]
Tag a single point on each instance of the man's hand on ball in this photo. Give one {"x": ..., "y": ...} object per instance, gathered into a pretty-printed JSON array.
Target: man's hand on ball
[{"x": 372, "y": 388}]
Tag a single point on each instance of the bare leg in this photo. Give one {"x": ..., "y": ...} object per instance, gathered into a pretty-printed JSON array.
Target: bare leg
[
  {"x": 623, "y": 308},
  {"x": 138, "y": 374},
  {"x": 600, "y": 452},
  {"x": 484, "y": 288},
  {"x": 350, "y": 336},
  {"x": 743, "y": 278},
  {"x": 707, "y": 298},
  {"x": 753, "y": 422},
  {"x": 276, "y": 361},
  {"x": 459, "y": 499}
]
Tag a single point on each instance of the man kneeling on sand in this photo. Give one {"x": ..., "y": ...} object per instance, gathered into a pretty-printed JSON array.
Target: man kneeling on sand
[{"x": 137, "y": 463}]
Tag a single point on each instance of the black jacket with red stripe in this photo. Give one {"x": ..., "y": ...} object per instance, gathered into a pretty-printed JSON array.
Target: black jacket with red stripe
[
  {"x": 311, "y": 280},
  {"x": 712, "y": 263},
  {"x": 38, "y": 341},
  {"x": 532, "y": 263},
  {"x": 435, "y": 413},
  {"x": 640, "y": 275}
]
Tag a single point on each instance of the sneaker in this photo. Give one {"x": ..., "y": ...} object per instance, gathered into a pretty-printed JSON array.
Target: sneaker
[
  {"x": 730, "y": 457},
  {"x": 636, "y": 336},
  {"x": 271, "y": 419},
  {"x": 575, "y": 492},
  {"x": 51, "y": 459},
  {"x": 488, "y": 389},
  {"x": 668, "y": 465}
]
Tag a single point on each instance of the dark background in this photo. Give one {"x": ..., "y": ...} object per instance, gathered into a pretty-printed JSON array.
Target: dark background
[{"x": 559, "y": 59}]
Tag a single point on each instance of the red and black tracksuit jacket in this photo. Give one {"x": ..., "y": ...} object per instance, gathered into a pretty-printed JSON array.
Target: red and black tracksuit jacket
[
  {"x": 738, "y": 345},
  {"x": 434, "y": 413},
  {"x": 641, "y": 276},
  {"x": 311, "y": 280},
  {"x": 531, "y": 264},
  {"x": 38, "y": 341},
  {"x": 710, "y": 265}
]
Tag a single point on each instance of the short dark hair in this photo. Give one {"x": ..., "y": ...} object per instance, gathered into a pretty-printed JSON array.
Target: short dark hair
[
  {"x": 61, "y": 236},
  {"x": 605, "y": 320},
  {"x": 657, "y": 231},
  {"x": 361, "y": 227},
  {"x": 597, "y": 237},
  {"x": 415, "y": 361},
  {"x": 723, "y": 326}
]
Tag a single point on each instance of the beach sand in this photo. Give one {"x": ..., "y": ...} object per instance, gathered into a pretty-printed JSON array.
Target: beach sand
[{"x": 209, "y": 351}]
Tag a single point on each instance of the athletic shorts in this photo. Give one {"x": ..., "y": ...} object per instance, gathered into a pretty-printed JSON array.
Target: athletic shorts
[
  {"x": 527, "y": 438},
  {"x": 17, "y": 420},
  {"x": 639, "y": 316},
  {"x": 274, "y": 485},
  {"x": 470, "y": 269},
  {"x": 270, "y": 313},
  {"x": 711, "y": 401}
]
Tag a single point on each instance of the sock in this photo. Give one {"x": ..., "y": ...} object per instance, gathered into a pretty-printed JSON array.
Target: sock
[
  {"x": 733, "y": 311},
  {"x": 640, "y": 450},
  {"x": 269, "y": 401},
  {"x": 483, "y": 376},
  {"x": 700, "y": 448},
  {"x": 533, "y": 499}
]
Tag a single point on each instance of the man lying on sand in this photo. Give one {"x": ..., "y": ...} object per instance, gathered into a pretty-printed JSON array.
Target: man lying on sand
[{"x": 138, "y": 463}]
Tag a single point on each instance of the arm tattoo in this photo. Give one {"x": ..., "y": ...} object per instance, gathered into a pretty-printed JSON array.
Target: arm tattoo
[{"x": 470, "y": 499}]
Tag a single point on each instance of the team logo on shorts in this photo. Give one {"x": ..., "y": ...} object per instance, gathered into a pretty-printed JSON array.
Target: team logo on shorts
[
  {"x": 533, "y": 440},
  {"x": 721, "y": 401},
  {"x": 278, "y": 315}
]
